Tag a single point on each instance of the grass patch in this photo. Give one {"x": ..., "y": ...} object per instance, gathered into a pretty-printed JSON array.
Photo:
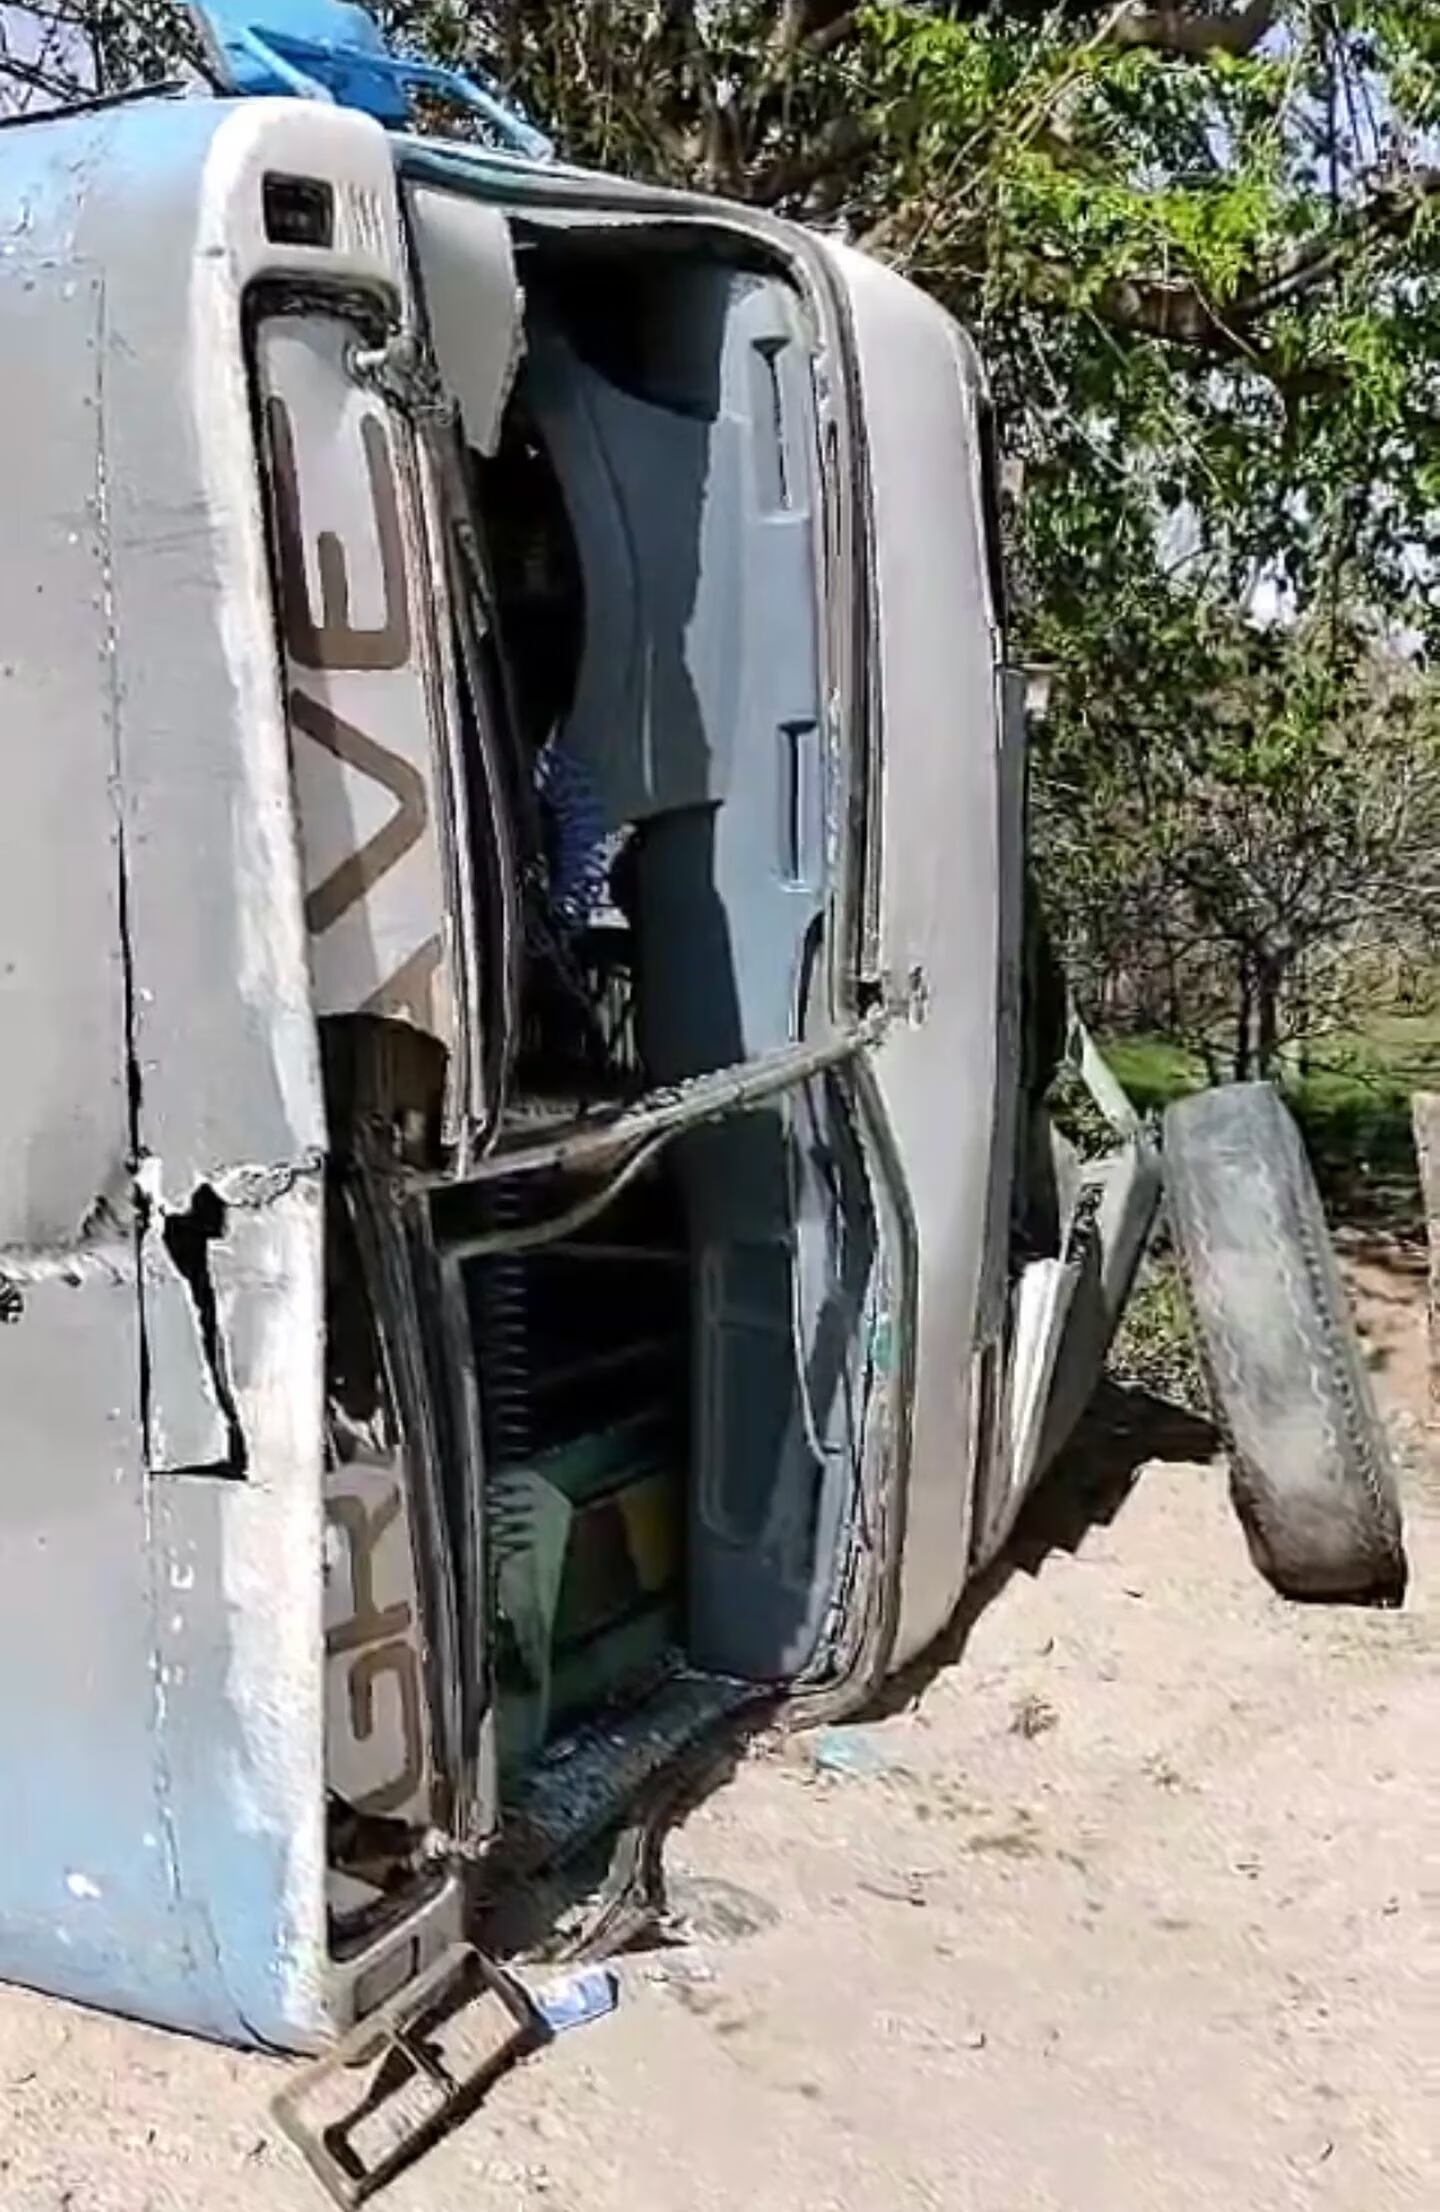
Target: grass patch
[
  {"x": 1352, "y": 1102},
  {"x": 1154, "y": 1347},
  {"x": 1154, "y": 1070}
]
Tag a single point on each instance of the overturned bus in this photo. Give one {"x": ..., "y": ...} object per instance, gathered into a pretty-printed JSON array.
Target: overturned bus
[{"x": 528, "y": 1223}]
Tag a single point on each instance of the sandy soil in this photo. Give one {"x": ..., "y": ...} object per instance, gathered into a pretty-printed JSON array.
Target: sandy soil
[{"x": 1132, "y": 1901}]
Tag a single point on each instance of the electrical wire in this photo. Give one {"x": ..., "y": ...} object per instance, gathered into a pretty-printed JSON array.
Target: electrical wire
[{"x": 560, "y": 1226}]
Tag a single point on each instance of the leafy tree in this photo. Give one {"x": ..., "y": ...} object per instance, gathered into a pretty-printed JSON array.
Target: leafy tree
[
  {"x": 1199, "y": 241},
  {"x": 1254, "y": 845},
  {"x": 75, "y": 48}
]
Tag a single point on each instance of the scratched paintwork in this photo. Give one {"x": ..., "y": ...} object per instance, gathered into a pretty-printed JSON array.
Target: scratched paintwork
[
  {"x": 168, "y": 1753},
  {"x": 162, "y": 1392},
  {"x": 360, "y": 679}
]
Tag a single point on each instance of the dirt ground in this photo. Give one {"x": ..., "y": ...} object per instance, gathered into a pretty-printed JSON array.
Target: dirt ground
[{"x": 1132, "y": 1901}]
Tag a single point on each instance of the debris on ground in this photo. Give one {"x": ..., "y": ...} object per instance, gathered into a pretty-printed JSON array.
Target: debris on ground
[
  {"x": 854, "y": 1753},
  {"x": 578, "y": 1999}
]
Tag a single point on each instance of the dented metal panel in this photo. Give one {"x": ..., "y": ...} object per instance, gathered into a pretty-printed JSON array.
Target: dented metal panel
[
  {"x": 161, "y": 1424},
  {"x": 239, "y": 800},
  {"x": 363, "y": 688},
  {"x": 89, "y": 1902},
  {"x": 474, "y": 306},
  {"x": 64, "y": 1139},
  {"x": 941, "y": 766},
  {"x": 386, "y": 1633}
]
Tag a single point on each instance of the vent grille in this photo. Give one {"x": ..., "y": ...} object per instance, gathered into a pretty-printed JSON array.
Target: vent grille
[{"x": 363, "y": 226}]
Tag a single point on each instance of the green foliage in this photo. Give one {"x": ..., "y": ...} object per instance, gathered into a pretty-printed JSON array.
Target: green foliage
[
  {"x": 1154, "y": 1347},
  {"x": 1207, "y": 277},
  {"x": 1199, "y": 242},
  {"x": 1350, "y": 1091},
  {"x": 1238, "y": 821},
  {"x": 48, "y": 54}
]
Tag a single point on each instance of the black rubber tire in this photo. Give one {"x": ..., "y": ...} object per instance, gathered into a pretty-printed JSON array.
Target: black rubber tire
[{"x": 1311, "y": 1473}]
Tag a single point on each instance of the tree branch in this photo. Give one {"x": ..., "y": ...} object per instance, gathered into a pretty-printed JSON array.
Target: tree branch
[
  {"x": 813, "y": 26},
  {"x": 722, "y": 155},
  {"x": 827, "y": 36},
  {"x": 1175, "y": 29},
  {"x": 1388, "y": 213},
  {"x": 1179, "y": 313},
  {"x": 31, "y": 79},
  {"x": 838, "y": 151}
]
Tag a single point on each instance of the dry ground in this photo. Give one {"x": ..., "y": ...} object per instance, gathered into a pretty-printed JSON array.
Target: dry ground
[{"x": 1133, "y": 1901}]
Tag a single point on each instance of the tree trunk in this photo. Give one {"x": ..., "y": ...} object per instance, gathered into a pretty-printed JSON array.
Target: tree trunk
[
  {"x": 1425, "y": 1107},
  {"x": 1267, "y": 1020},
  {"x": 1304, "y": 1058},
  {"x": 1174, "y": 1011},
  {"x": 1240, "y": 1072}
]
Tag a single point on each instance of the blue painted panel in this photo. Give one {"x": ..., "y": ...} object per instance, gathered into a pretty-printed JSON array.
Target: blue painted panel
[{"x": 332, "y": 50}]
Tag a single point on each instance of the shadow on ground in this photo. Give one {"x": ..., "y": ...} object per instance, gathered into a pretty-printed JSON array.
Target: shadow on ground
[
  {"x": 1121, "y": 1432},
  {"x": 615, "y": 1893},
  {"x": 1386, "y": 1272}
]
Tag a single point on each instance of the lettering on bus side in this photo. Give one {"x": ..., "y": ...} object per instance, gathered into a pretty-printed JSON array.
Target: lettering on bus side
[
  {"x": 360, "y": 690},
  {"x": 379, "y": 1757},
  {"x": 334, "y": 641}
]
